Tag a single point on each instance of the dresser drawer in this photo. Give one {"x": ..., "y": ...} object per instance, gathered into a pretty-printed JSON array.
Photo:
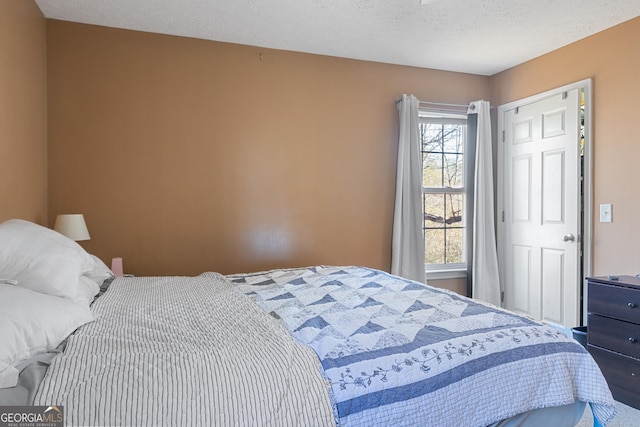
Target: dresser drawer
[
  {"x": 616, "y": 335},
  {"x": 614, "y": 301},
  {"x": 622, "y": 374}
]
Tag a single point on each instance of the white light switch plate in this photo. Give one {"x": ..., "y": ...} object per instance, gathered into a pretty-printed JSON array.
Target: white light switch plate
[{"x": 605, "y": 213}]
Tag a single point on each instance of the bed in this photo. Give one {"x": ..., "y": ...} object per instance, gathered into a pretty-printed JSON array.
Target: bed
[{"x": 322, "y": 345}]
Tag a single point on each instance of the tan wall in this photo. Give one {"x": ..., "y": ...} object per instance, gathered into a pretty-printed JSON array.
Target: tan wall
[
  {"x": 23, "y": 120},
  {"x": 612, "y": 60},
  {"x": 458, "y": 285},
  {"x": 188, "y": 155},
  {"x": 147, "y": 138}
]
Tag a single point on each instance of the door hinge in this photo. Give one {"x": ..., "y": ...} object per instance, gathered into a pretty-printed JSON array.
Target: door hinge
[
  {"x": 565, "y": 95},
  {"x": 502, "y": 216},
  {"x": 501, "y": 296},
  {"x": 517, "y": 110},
  {"x": 503, "y": 136}
]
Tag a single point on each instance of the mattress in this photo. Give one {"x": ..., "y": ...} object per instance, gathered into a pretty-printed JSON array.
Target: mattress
[{"x": 317, "y": 346}]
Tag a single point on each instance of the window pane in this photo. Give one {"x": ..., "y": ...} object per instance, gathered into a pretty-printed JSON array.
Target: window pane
[
  {"x": 443, "y": 210},
  {"x": 434, "y": 210},
  {"x": 432, "y": 170},
  {"x": 453, "y": 171},
  {"x": 454, "y": 247},
  {"x": 453, "y": 137},
  {"x": 434, "y": 247},
  {"x": 442, "y": 155},
  {"x": 453, "y": 210},
  {"x": 444, "y": 228},
  {"x": 431, "y": 137}
]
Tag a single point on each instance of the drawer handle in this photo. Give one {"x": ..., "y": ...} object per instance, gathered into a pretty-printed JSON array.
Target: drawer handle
[
  {"x": 632, "y": 340},
  {"x": 631, "y": 305}
]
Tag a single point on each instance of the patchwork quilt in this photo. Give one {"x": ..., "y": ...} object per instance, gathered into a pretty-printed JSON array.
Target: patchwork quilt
[{"x": 399, "y": 352}]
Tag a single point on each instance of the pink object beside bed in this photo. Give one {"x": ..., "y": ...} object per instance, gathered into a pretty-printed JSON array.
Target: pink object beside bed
[{"x": 116, "y": 267}]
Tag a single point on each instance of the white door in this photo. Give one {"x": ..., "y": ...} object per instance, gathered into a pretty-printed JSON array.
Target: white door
[{"x": 541, "y": 185}]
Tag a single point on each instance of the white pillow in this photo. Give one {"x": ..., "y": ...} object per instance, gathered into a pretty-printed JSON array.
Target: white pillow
[
  {"x": 41, "y": 259},
  {"x": 32, "y": 323},
  {"x": 100, "y": 272},
  {"x": 87, "y": 289}
]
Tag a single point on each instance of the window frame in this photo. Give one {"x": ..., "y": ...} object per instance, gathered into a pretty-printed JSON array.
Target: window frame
[{"x": 459, "y": 269}]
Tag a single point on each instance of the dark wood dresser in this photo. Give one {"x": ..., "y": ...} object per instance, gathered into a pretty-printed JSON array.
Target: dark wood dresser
[{"x": 613, "y": 334}]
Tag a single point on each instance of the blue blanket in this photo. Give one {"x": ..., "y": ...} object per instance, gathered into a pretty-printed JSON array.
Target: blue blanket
[{"x": 398, "y": 352}]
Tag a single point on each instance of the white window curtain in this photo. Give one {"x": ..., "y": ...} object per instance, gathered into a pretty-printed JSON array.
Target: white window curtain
[
  {"x": 407, "y": 250},
  {"x": 486, "y": 281}
]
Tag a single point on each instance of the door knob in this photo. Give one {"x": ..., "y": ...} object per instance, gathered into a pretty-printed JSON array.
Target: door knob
[{"x": 569, "y": 238}]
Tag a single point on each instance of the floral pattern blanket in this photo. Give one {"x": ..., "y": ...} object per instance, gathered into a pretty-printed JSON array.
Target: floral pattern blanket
[{"x": 398, "y": 352}]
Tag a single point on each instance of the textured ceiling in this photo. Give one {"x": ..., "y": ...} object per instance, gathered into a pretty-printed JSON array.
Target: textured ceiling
[{"x": 473, "y": 36}]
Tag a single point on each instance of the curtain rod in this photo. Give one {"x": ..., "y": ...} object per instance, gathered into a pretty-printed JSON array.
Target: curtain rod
[
  {"x": 446, "y": 107},
  {"x": 443, "y": 107},
  {"x": 440, "y": 104}
]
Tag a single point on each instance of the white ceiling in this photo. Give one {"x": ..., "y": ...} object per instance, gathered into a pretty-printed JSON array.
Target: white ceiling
[{"x": 473, "y": 36}]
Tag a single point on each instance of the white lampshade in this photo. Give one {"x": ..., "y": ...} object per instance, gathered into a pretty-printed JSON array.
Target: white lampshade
[{"x": 72, "y": 226}]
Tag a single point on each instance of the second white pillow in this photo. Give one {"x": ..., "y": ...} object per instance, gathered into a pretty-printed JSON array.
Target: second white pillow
[{"x": 41, "y": 259}]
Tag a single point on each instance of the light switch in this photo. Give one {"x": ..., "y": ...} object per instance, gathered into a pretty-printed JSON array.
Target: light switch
[{"x": 605, "y": 213}]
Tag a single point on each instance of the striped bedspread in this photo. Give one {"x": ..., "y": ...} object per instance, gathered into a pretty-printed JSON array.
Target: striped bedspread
[
  {"x": 399, "y": 352},
  {"x": 179, "y": 351}
]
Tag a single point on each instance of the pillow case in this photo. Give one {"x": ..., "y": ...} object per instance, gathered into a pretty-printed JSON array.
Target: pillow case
[
  {"x": 87, "y": 290},
  {"x": 41, "y": 259},
  {"x": 100, "y": 272},
  {"x": 32, "y": 323}
]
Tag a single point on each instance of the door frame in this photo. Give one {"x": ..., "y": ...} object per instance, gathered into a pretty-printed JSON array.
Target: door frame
[{"x": 586, "y": 204}]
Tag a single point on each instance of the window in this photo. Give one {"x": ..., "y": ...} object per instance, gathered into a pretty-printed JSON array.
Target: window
[{"x": 443, "y": 141}]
